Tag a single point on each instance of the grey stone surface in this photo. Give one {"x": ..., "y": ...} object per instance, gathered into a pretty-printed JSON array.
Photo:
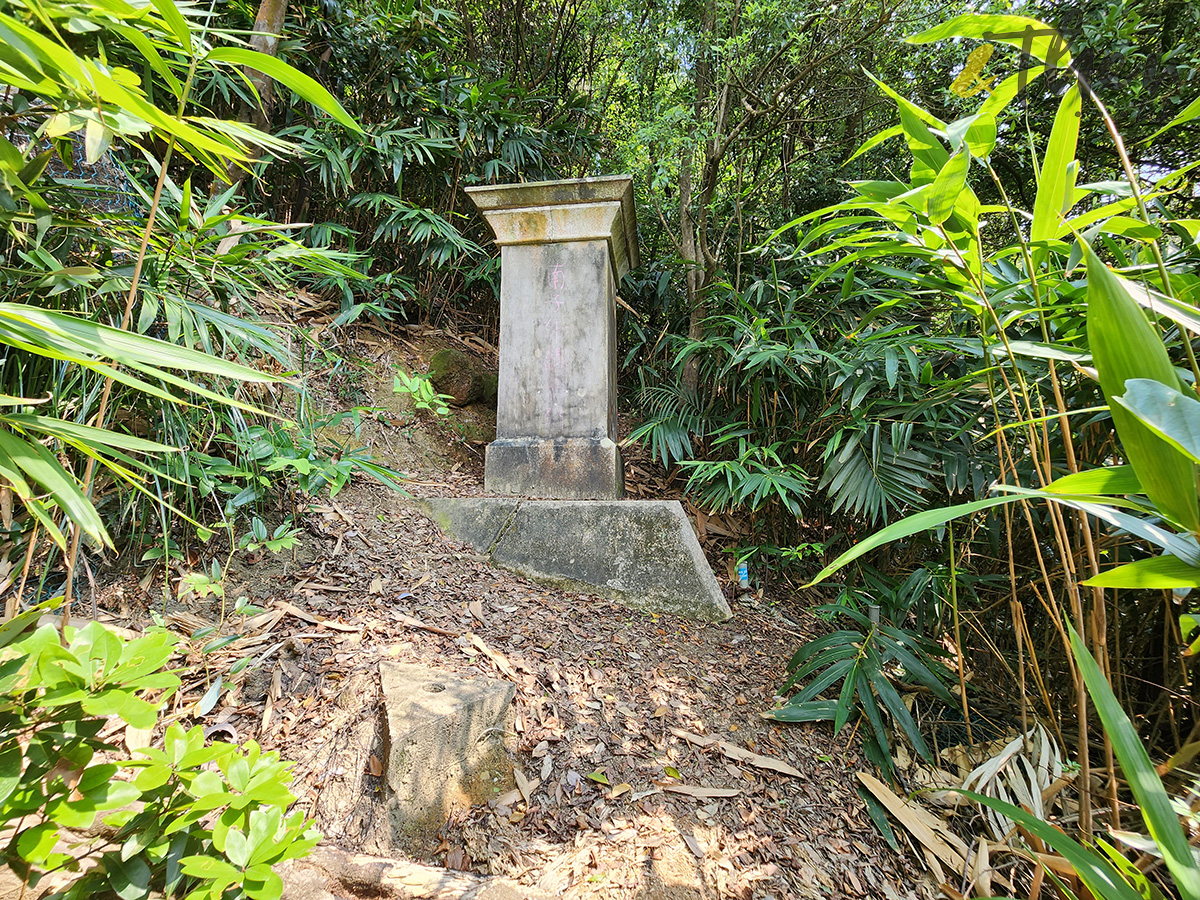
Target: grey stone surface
[
  {"x": 562, "y": 468},
  {"x": 443, "y": 746},
  {"x": 641, "y": 553},
  {"x": 563, "y": 248}
]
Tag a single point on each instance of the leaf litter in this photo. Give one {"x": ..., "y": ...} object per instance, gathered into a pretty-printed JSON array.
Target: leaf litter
[{"x": 643, "y": 768}]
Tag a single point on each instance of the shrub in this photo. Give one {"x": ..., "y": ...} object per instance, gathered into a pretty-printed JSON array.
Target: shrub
[{"x": 192, "y": 819}]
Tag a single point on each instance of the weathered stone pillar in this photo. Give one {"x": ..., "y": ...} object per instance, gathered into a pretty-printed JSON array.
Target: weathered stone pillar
[{"x": 564, "y": 246}]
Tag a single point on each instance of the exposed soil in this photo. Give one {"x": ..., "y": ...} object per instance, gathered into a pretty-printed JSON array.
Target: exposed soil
[{"x": 603, "y": 692}]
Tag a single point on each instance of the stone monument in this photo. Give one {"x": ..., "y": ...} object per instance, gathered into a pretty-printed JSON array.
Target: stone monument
[{"x": 564, "y": 247}]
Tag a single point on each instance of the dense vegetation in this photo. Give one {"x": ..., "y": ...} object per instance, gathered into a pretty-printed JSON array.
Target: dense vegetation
[{"x": 908, "y": 275}]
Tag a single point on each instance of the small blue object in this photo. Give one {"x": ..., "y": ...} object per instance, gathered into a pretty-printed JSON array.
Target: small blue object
[{"x": 743, "y": 575}]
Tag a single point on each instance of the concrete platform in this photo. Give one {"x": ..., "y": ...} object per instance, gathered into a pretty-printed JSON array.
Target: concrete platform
[
  {"x": 641, "y": 553},
  {"x": 443, "y": 746}
]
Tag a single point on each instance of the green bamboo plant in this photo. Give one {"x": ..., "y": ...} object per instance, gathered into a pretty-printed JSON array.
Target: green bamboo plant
[
  {"x": 1117, "y": 320},
  {"x": 72, "y": 68}
]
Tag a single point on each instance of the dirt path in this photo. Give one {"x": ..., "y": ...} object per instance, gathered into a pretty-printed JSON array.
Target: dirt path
[
  {"x": 601, "y": 690},
  {"x": 603, "y": 698}
]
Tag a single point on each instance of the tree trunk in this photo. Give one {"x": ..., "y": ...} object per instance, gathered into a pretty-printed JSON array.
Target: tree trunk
[
  {"x": 692, "y": 243},
  {"x": 268, "y": 26},
  {"x": 691, "y": 257}
]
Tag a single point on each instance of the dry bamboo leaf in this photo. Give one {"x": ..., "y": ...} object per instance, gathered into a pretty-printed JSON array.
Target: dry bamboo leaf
[
  {"x": 698, "y": 793},
  {"x": 1035, "y": 888},
  {"x": 733, "y": 751},
  {"x": 263, "y": 622},
  {"x": 138, "y": 738},
  {"x": 498, "y": 658},
  {"x": 296, "y": 611},
  {"x": 903, "y": 811},
  {"x": 935, "y": 867},
  {"x": 475, "y": 608},
  {"x": 981, "y": 871},
  {"x": 338, "y": 626}
]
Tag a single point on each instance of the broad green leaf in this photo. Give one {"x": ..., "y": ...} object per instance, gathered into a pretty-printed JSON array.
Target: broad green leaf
[
  {"x": 1170, "y": 414},
  {"x": 97, "y": 139},
  {"x": 1056, "y": 185},
  {"x": 948, "y": 184},
  {"x": 1114, "y": 481},
  {"x": 10, "y": 770},
  {"x": 1157, "y": 573},
  {"x": 1033, "y": 37},
  {"x": 1152, "y": 800},
  {"x": 307, "y": 88},
  {"x": 1124, "y": 346}
]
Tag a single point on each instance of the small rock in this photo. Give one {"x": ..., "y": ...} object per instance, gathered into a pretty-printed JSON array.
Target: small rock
[{"x": 460, "y": 377}]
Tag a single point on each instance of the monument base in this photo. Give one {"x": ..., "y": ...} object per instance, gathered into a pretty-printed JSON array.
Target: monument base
[
  {"x": 641, "y": 553},
  {"x": 563, "y": 468}
]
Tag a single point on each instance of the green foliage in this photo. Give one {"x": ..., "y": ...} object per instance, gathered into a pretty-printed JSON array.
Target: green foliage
[
  {"x": 435, "y": 119},
  {"x": 420, "y": 388},
  {"x": 864, "y": 660},
  {"x": 192, "y": 819},
  {"x": 112, "y": 286}
]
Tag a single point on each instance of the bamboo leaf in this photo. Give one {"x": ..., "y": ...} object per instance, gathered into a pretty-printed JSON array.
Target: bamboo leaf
[
  {"x": 1125, "y": 346},
  {"x": 1152, "y": 799},
  {"x": 1157, "y": 573},
  {"x": 899, "y": 712},
  {"x": 176, "y": 22},
  {"x": 1108, "y": 481},
  {"x": 1101, "y": 878},
  {"x": 1004, "y": 93},
  {"x": 1170, "y": 414},
  {"x": 1056, "y": 184},
  {"x": 813, "y": 711},
  {"x": 875, "y": 140},
  {"x": 906, "y": 527},
  {"x": 1192, "y": 111},
  {"x": 1182, "y": 545},
  {"x": 948, "y": 184},
  {"x": 845, "y": 703},
  {"x": 307, "y": 88},
  {"x": 1033, "y": 37},
  {"x": 40, "y": 465}
]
